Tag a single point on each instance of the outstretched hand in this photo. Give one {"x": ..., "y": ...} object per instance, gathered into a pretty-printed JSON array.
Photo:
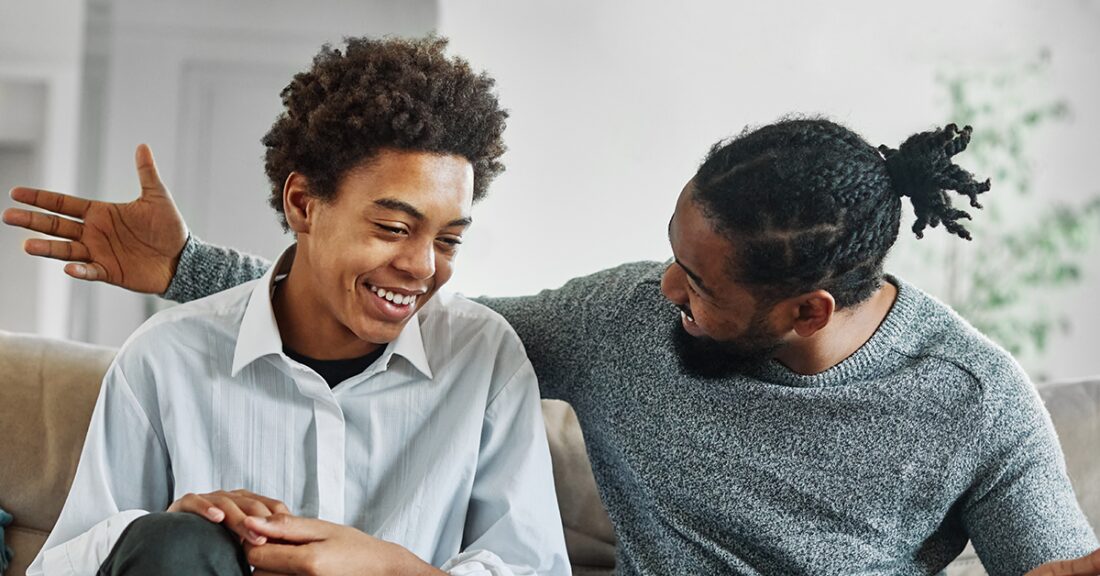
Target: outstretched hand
[
  {"x": 1084, "y": 566},
  {"x": 135, "y": 245}
]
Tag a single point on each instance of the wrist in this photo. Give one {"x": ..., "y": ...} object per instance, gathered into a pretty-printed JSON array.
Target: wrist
[
  {"x": 405, "y": 563},
  {"x": 173, "y": 290}
]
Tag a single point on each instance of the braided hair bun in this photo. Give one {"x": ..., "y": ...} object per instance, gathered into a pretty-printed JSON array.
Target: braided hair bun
[
  {"x": 808, "y": 204},
  {"x": 921, "y": 169}
]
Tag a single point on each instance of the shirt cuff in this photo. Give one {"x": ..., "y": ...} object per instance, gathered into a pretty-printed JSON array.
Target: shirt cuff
[
  {"x": 83, "y": 555},
  {"x": 482, "y": 563}
]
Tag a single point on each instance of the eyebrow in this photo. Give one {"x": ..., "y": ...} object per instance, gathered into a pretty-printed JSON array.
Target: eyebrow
[
  {"x": 698, "y": 279},
  {"x": 402, "y": 206}
]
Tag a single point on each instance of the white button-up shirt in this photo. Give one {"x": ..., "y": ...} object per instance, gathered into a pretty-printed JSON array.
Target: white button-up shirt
[{"x": 438, "y": 446}]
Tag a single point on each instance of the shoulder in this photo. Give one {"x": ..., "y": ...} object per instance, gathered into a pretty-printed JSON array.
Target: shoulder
[
  {"x": 454, "y": 317},
  {"x": 957, "y": 347},
  {"x": 185, "y": 329},
  {"x": 468, "y": 340},
  {"x": 624, "y": 277}
]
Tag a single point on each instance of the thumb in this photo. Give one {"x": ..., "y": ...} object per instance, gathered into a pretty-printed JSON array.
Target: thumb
[{"x": 147, "y": 172}]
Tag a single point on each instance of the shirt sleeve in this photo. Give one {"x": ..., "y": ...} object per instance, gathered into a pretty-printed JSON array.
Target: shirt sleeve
[
  {"x": 205, "y": 269},
  {"x": 123, "y": 472},
  {"x": 1022, "y": 511},
  {"x": 513, "y": 526}
]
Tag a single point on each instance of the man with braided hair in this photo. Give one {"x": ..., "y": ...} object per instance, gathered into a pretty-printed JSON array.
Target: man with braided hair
[{"x": 795, "y": 410}]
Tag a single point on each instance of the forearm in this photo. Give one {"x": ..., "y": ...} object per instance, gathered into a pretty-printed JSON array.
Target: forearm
[
  {"x": 409, "y": 564},
  {"x": 205, "y": 269}
]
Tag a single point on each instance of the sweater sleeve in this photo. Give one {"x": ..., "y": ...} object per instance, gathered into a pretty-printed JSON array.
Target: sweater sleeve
[
  {"x": 1021, "y": 511},
  {"x": 563, "y": 329},
  {"x": 205, "y": 269}
]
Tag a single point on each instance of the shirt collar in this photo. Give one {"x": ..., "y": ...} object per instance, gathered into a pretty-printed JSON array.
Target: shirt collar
[{"x": 259, "y": 332}]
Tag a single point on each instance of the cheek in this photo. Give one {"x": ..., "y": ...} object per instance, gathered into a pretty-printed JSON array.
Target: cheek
[
  {"x": 444, "y": 269},
  {"x": 719, "y": 324}
]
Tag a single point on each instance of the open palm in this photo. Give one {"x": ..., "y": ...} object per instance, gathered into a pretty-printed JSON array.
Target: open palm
[{"x": 135, "y": 245}]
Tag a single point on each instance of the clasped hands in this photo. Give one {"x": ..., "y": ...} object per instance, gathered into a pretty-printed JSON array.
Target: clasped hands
[{"x": 277, "y": 542}]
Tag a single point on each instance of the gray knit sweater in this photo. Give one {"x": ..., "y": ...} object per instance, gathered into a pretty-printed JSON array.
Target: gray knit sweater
[{"x": 884, "y": 464}]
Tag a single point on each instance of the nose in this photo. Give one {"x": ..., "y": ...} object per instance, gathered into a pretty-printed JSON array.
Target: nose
[
  {"x": 672, "y": 285},
  {"x": 417, "y": 259}
]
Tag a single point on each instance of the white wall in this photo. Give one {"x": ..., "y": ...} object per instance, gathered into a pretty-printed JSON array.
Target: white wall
[
  {"x": 199, "y": 81},
  {"x": 41, "y": 44},
  {"x": 613, "y": 105}
]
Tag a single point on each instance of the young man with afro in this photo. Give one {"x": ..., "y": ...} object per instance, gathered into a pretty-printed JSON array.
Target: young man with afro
[{"x": 340, "y": 414}]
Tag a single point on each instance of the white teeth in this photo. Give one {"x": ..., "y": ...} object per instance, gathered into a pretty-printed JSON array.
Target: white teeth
[{"x": 398, "y": 299}]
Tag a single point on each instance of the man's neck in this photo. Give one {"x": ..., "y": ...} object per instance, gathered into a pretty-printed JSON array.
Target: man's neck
[
  {"x": 848, "y": 331},
  {"x": 307, "y": 326}
]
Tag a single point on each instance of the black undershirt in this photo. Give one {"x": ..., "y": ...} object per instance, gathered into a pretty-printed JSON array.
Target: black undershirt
[{"x": 336, "y": 371}]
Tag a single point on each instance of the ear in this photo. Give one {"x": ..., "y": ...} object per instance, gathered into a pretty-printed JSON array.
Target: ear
[
  {"x": 298, "y": 203},
  {"x": 811, "y": 312}
]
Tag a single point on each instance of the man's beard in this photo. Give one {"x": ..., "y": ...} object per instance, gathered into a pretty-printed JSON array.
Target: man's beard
[{"x": 709, "y": 358}]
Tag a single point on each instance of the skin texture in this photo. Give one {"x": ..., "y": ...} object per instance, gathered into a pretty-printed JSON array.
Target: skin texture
[
  {"x": 134, "y": 244},
  {"x": 805, "y": 332},
  {"x": 395, "y": 223},
  {"x": 715, "y": 307},
  {"x": 815, "y": 336}
]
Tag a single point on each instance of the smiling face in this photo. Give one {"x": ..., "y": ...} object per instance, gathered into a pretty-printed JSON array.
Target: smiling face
[
  {"x": 368, "y": 259},
  {"x": 722, "y": 322}
]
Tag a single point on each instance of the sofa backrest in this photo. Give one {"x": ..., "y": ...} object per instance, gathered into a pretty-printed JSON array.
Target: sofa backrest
[{"x": 47, "y": 391}]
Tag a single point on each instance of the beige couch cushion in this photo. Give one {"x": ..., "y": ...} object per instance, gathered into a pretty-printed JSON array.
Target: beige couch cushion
[
  {"x": 589, "y": 536},
  {"x": 47, "y": 391}
]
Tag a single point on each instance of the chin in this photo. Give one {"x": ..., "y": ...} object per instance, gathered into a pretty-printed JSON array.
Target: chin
[{"x": 705, "y": 357}]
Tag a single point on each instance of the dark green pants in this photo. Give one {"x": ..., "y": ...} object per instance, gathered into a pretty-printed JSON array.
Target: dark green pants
[{"x": 172, "y": 543}]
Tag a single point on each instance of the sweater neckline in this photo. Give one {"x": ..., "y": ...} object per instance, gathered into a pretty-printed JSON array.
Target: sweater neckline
[{"x": 876, "y": 357}]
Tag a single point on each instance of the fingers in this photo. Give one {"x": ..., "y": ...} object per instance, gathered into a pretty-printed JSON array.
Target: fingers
[
  {"x": 57, "y": 249},
  {"x": 90, "y": 271},
  {"x": 220, "y": 509},
  {"x": 199, "y": 506},
  {"x": 44, "y": 223},
  {"x": 148, "y": 175},
  {"x": 294, "y": 529},
  {"x": 1084, "y": 566},
  {"x": 235, "y": 516},
  {"x": 52, "y": 201},
  {"x": 282, "y": 559},
  {"x": 271, "y": 505}
]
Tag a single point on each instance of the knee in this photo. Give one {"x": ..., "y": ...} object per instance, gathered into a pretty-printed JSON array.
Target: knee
[{"x": 177, "y": 543}]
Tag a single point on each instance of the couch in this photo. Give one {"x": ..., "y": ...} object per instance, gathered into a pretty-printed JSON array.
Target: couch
[{"x": 48, "y": 388}]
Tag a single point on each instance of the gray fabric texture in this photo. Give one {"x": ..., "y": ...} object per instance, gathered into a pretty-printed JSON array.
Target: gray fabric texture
[
  {"x": 887, "y": 463},
  {"x": 175, "y": 544}
]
